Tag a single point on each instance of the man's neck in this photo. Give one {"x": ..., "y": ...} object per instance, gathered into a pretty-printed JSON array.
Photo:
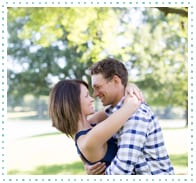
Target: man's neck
[{"x": 118, "y": 99}]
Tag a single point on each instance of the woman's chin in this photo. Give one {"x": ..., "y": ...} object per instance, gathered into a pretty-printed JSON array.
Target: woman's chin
[{"x": 92, "y": 112}]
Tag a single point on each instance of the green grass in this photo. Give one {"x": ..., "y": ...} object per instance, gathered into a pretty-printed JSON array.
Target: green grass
[
  {"x": 75, "y": 168},
  {"x": 180, "y": 163},
  {"x": 46, "y": 134},
  {"x": 180, "y": 160}
]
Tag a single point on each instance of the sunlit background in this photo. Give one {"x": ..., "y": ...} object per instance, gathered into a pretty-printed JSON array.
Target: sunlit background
[{"x": 46, "y": 45}]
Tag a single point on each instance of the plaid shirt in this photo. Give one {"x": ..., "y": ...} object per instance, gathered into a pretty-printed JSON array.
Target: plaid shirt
[{"x": 141, "y": 148}]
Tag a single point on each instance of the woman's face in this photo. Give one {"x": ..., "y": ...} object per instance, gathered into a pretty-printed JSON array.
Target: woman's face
[{"x": 86, "y": 101}]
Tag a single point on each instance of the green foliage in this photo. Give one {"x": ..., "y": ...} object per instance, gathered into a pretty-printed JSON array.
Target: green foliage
[
  {"x": 51, "y": 44},
  {"x": 162, "y": 59}
]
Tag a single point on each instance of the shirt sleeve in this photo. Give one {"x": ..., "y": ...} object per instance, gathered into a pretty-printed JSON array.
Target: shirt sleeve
[{"x": 131, "y": 139}]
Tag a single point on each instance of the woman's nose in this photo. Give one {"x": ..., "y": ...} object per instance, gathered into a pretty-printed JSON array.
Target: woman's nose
[{"x": 92, "y": 99}]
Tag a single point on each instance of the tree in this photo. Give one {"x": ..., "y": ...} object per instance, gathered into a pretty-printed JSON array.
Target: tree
[{"x": 63, "y": 42}]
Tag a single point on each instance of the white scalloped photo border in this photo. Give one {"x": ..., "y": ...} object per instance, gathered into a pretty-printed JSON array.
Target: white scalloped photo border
[{"x": 4, "y": 4}]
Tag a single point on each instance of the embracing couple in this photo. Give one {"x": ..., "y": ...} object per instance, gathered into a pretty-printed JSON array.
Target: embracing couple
[{"x": 123, "y": 139}]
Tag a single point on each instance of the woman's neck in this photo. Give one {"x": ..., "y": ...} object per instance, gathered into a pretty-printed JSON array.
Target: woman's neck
[{"x": 83, "y": 124}]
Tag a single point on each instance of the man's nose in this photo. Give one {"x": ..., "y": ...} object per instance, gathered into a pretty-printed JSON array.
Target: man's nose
[{"x": 95, "y": 93}]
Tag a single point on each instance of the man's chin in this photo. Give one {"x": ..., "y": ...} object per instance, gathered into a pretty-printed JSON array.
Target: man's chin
[{"x": 104, "y": 103}]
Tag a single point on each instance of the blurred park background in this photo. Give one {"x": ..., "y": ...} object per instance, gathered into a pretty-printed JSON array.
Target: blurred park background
[{"x": 46, "y": 45}]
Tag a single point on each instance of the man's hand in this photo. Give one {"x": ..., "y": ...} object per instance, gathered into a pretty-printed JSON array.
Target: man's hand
[{"x": 96, "y": 169}]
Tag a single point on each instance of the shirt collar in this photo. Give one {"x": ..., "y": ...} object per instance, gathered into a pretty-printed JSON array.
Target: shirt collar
[{"x": 112, "y": 109}]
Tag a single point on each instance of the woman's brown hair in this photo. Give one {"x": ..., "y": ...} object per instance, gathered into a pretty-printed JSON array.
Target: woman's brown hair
[{"x": 65, "y": 107}]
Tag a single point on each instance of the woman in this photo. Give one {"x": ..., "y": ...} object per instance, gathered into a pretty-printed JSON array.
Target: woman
[{"x": 69, "y": 106}]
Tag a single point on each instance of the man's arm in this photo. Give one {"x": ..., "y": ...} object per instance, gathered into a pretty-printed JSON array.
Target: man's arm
[
  {"x": 130, "y": 143},
  {"x": 97, "y": 117},
  {"x": 95, "y": 169}
]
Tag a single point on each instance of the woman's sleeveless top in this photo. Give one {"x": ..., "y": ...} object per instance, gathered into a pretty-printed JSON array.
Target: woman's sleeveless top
[{"x": 110, "y": 153}]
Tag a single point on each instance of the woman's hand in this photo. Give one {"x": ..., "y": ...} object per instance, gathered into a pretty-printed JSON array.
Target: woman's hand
[
  {"x": 131, "y": 101},
  {"x": 132, "y": 90}
]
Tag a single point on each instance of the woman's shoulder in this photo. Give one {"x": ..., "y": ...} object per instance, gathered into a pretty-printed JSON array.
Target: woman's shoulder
[{"x": 82, "y": 132}]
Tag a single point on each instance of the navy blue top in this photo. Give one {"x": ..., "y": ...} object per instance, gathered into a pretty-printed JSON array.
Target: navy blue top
[{"x": 110, "y": 153}]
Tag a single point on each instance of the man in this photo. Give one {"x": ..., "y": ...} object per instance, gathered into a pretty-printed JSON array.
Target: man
[{"x": 141, "y": 148}]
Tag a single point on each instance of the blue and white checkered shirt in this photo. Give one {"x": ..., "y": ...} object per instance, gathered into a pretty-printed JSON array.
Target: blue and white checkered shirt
[{"x": 141, "y": 148}]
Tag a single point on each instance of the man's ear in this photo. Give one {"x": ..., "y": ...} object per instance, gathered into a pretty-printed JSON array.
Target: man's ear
[{"x": 116, "y": 79}]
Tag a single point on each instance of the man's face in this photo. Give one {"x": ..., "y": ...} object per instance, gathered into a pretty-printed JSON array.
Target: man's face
[{"x": 103, "y": 89}]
